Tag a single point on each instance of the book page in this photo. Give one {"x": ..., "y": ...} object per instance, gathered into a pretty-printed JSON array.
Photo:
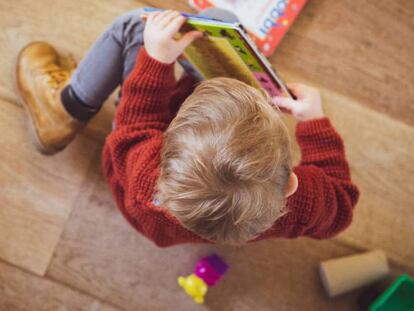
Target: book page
[{"x": 216, "y": 57}]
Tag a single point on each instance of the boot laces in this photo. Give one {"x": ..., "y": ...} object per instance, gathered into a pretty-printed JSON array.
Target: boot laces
[{"x": 55, "y": 77}]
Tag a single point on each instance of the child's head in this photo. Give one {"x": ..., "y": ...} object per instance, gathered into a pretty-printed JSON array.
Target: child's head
[{"x": 225, "y": 163}]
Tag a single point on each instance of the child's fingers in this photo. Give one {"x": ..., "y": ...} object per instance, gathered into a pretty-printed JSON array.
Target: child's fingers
[
  {"x": 301, "y": 91},
  {"x": 188, "y": 38},
  {"x": 296, "y": 89},
  {"x": 151, "y": 16},
  {"x": 159, "y": 16},
  {"x": 284, "y": 102},
  {"x": 281, "y": 109},
  {"x": 174, "y": 26},
  {"x": 168, "y": 18}
]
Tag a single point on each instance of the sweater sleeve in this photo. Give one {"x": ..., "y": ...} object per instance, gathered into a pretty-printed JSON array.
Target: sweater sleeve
[
  {"x": 132, "y": 151},
  {"x": 325, "y": 190},
  {"x": 146, "y": 94}
]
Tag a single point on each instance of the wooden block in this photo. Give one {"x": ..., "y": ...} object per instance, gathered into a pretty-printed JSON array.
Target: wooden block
[
  {"x": 341, "y": 275},
  {"x": 37, "y": 192},
  {"x": 22, "y": 291}
]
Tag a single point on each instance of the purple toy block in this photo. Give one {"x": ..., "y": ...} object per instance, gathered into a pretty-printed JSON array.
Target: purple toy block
[
  {"x": 217, "y": 263},
  {"x": 210, "y": 269}
]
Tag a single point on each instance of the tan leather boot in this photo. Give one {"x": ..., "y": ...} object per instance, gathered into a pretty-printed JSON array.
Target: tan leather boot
[{"x": 41, "y": 74}]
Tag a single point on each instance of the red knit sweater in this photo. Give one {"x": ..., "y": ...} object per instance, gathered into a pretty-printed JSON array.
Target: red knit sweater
[{"x": 321, "y": 207}]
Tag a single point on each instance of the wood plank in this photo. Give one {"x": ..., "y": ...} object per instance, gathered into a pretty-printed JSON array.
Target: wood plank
[
  {"x": 362, "y": 49},
  {"x": 21, "y": 291},
  {"x": 37, "y": 192},
  {"x": 102, "y": 255},
  {"x": 380, "y": 154}
]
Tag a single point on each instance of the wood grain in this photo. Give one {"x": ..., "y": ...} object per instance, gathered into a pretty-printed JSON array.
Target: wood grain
[
  {"x": 37, "y": 192},
  {"x": 359, "y": 53},
  {"x": 71, "y": 26},
  {"x": 21, "y": 291},
  {"x": 381, "y": 155},
  {"x": 361, "y": 49},
  {"x": 103, "y": 256}
]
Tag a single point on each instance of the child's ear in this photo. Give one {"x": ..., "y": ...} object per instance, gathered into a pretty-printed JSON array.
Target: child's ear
[{"x": 292, "y": 185}]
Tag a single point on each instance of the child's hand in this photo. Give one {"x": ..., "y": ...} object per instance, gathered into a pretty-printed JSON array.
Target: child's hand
[
  {"x": 159, "y": 36},
  {"x": 308, "y": 105}
]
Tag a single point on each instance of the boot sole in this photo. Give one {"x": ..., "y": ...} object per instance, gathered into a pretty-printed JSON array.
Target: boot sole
[{"x": 34, "y": 135}]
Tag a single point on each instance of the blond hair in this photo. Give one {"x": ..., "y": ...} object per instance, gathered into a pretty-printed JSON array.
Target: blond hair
[{"x": 225, "y": 162}]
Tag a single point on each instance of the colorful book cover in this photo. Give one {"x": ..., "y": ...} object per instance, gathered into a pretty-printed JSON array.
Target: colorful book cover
[
  {"x": 267, "y": 21},
  {"x": 225, "y": 52}
]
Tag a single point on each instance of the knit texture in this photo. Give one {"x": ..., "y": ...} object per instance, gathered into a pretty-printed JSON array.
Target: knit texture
[{"x": 321, "y": 207}]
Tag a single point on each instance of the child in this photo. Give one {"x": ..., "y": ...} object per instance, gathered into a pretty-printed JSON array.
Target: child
[{"x": 218, "y": 170}]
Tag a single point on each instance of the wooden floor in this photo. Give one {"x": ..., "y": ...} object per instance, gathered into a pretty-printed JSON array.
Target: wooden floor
[{"x": 63, "y": 244}]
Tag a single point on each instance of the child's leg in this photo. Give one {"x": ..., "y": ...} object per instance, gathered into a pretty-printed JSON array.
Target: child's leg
[{"x": 105, "y": 66}]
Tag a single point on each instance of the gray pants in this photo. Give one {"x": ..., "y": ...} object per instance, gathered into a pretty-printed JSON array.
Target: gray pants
[{"x": 112, "y": 57}]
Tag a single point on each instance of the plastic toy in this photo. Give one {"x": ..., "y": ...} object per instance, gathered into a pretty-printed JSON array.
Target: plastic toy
[
  {"x": 207, "y": 272},
  {"x": 398, "y": 297}
]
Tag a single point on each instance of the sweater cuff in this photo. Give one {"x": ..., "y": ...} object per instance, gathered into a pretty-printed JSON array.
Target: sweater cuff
[
  {"x": 145, "y": 63},
  {"x": 317, "y": 136},
  {"x": 313, "y": 127}
]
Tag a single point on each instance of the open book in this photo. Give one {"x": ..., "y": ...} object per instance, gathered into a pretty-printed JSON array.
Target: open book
[{"x": 228, "y": 51}]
